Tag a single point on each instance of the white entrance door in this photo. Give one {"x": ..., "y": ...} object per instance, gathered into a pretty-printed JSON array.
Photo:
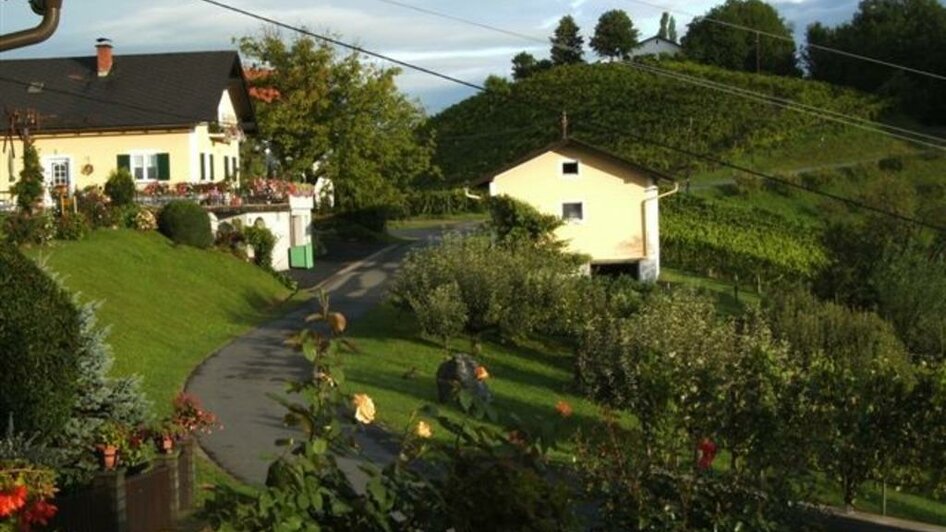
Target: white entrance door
[{"x": 58, "y": 173}]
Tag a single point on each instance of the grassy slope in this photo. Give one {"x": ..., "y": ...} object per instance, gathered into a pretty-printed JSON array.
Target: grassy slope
[{"x": 169, "y": 307}]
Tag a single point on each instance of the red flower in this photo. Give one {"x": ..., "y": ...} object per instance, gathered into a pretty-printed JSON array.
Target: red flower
[
  {"x": 707, "y": 451},
  {"x": 12, "y": 500},
  {"x": 40, "y": 513}
]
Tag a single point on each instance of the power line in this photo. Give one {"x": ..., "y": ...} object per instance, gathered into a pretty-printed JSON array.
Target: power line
[
  {"x": 610, "y": 129},
  {"x": 823, "y": 48},
  {"x": 837, "y": 117}
]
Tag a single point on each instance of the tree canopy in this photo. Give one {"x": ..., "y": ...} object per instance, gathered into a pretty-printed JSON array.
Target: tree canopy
[
  {"x": 338, "y": 117},
  {"x": 907, "y": 32},
  {"x": 715, "y": 44},
  {"x": 615, "y": 35},
  {"x": 567, "y": 43},
  {"x": 525, "y": 64}
]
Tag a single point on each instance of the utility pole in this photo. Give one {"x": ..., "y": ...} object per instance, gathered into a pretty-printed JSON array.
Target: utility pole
[
  {"x": 50, "y": 10},
  {"x": 758, "y": 53}
]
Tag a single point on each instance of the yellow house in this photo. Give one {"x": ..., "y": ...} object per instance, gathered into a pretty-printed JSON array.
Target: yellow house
[
  {"x": 608, "y": 204},
  {"x": 175, "y": 117}
]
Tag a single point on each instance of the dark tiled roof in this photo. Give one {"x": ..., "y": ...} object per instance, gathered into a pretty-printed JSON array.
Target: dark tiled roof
[
  {"x": 141, "y": 91},
  {"x": 579, "y": 145}
]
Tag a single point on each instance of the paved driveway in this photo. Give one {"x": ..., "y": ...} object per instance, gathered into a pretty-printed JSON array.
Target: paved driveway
[{"x": 235, "y": 381}]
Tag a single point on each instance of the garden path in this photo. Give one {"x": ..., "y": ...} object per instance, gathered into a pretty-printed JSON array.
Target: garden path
[{"x": 235, "y": 381}]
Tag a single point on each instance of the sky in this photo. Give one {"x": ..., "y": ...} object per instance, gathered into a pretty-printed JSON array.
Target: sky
[{"x": 456, "y": 49}]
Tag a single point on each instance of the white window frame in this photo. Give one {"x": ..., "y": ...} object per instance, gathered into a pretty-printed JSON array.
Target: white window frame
[
  {"x": 143, "y": 153},
  {"x": 561, "y": 168},
  {"x": 47, "y": 161},
  {"x": 573, "y": 221}
]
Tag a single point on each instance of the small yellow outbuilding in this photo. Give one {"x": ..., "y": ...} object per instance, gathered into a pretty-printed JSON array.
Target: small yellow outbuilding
[{"x": 608, "y": 204}]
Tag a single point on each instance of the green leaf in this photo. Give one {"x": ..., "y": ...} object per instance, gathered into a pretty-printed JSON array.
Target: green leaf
[{"x": 319, "y": 446}]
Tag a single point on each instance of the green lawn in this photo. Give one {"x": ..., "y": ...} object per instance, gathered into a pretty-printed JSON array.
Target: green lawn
[
  {"x": 526, "y": 379},
  {"x": 435, "y": 222},
  {"x": 169, "y": 306}
]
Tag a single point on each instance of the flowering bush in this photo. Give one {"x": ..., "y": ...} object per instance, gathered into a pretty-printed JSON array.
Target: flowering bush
[
  {"x": 95, "y": 204},
  {"x": 276, "y": 189},
  {"x": 25, "y": 490},
  {"x": 190, "y": 416}
]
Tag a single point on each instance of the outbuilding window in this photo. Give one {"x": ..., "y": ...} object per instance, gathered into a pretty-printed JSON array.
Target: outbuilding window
[
  {"x": 570, "y": 168},
  {"x": 573, "y": 212}
]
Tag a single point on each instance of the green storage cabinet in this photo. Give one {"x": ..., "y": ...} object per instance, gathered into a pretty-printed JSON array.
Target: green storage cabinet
[{"x": 301, "y": 257}]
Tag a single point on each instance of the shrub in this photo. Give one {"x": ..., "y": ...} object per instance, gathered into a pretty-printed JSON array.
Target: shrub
[
  {"x": 120, "y": 187},
  {"x": 72, "y": 226},
  {"x": 513, "y": 289},
  {"x": 440, "y": 203},
  {"x": 96, "y": 207},
  {"x": 442, "y": 313},
  {"x": 39, "y": 346},
  {"x": 185, "y": 222},
  {"x": 514, "y": 220},
  {"x": 23, "y": 228},
  {"x": 101, "y": 400},
  {"x": 262, "y": 241},
  {"x": 374, "y": 218}
]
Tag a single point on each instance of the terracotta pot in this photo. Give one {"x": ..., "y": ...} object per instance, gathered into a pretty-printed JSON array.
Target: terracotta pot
[{"x": 109, "y": 456}]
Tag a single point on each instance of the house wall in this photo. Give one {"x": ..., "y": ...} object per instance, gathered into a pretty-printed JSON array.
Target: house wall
[
  {"x": 101, "y": 150},
  {"x": 656, "y": 47},
  {"x": 612, "y": 197}
]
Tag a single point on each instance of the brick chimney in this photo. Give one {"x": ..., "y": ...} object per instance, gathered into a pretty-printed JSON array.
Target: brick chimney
[{"x": 104, "y": 48}]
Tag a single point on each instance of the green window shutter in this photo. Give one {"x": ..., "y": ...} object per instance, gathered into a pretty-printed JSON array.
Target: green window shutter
[
  {"x": 203, "y": 167},
  {"x": 124, "y": 161},
  {"x": 226, "y": 167},
  {"x": 164, "y": 167},
  {"x": 211, "y": 166}
]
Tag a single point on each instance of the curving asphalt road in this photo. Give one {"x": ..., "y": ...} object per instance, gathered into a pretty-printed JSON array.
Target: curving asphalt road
[{"x": 234, "y": 382}]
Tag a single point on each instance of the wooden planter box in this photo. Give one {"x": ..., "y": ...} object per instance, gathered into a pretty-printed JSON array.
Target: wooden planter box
[{"x": 148, "y": 502}]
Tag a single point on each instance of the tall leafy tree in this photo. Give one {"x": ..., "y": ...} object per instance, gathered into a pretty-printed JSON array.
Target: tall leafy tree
[
  {"x": 672, "y": 30},
  {"x": 664, "y": 23},
  {"x": 338, "y": 117},
  {"x": 567, "y": 43},
  {"x": 615, "y": 35},
  {"x": 715, "y": 44},
  {"x": 906, "y": 32}
]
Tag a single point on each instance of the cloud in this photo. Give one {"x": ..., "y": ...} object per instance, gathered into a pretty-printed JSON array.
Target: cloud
[{"x": 463, "y": 51}]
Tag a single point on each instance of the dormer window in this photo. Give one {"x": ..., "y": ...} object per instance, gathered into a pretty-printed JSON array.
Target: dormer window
[{"x": 570, "y": 168}]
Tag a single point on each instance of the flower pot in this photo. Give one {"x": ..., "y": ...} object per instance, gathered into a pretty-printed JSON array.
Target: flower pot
[
  {"x": 109, "y": 456},
  {"x": 166, "y": 444}
]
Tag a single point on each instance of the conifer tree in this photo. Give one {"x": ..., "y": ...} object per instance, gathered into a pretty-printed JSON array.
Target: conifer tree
[
  {"x": 29, "y": 189},
  {"x": 567, "y": 43}
]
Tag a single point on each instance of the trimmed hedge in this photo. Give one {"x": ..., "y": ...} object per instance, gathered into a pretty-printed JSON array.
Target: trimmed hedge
[
  {"x": 39, "y": 346},
  {"x": 185, "y": 222}
]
